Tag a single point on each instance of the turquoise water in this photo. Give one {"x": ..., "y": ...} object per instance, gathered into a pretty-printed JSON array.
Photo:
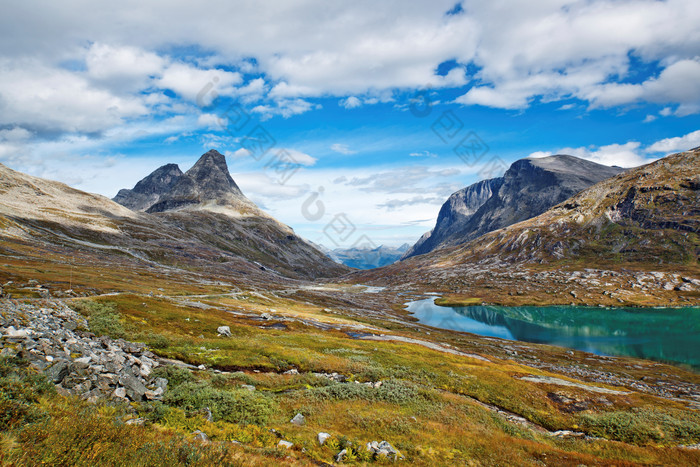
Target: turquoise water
[{"x": 662, "y": 334}]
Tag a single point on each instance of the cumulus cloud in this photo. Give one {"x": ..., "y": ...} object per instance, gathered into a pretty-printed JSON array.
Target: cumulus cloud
[
  {"x": 299, "y": 157},
  {"x": 197, "y": 85},
  {"x": 284, "y": 107},
  {"x": 622, "y": 155},
  {"x": 123, "y": 68},
  {"x": 677, "y": 144},
  {"x": 351, "y": 102},
  {"x": 39, "y": 97}
]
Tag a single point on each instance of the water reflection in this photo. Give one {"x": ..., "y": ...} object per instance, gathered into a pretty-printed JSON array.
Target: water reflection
[{"x": 658, "y": 334}]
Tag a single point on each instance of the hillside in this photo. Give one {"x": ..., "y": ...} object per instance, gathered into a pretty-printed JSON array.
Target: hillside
[
  {"x": 632, "y": 238},
  {"x": 528, "y": 188},
  {"x": 224, "y": 233}
]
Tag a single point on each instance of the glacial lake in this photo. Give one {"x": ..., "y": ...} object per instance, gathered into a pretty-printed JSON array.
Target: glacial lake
[{"x": 662, "y": 334}]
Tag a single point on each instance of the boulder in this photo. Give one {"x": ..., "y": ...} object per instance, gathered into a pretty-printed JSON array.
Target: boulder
[
  {"x": 200, "y": 436},
  {"x": 224, "y": 331},
  {"x": 322, "y": 438},
  {"x": 57, "y": 372},
  {"x": 135, "y": 389},
  {"x": 298, "y": 420},
  {"x": 284, "y": 444},
  {"x": 161, "y": 383},
  {"x": 341, "y": 455}
]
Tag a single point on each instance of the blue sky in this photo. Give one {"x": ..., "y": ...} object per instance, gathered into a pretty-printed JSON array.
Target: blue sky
[{"x": 365, "y": 102}]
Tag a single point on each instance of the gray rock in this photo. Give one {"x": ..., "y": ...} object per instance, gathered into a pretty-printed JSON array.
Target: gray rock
[
  {"x": 284, "y": 444},
  {"x": 120, "y": 393},
  {"x": 57, "y": 372},
  {"x": 161, "y": 383},
  {"x": 136, "y": 421},
  {"x": 266, "y": 316},
  {"x": 224, "y": 331},
  {"x": 298, "y": 420},
  {"x": 200, "y": 436},
  {"x": 341, "y": 455},
  {"x": 248, "y": 387},
  {"x": 322, "y": 438},
  {"x": 135, "y": 389}
]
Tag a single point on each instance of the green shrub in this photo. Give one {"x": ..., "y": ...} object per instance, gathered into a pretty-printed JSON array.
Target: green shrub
[
  {"x": 156, "y": 341},
  {"x": 392, "y": 391},
  {"x": 174, "y": 374},
  {"x": 642, "y": 426},
  {"x": 103, "y": 318},
  {"x": 236, "y": 406},
  {"x": 20, "y": 388}
]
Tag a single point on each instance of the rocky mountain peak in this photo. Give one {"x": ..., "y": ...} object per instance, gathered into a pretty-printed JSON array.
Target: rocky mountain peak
[
  {"x": 149, "y": 190},
  {"x": 212, "y": 175},
  {"x": 527, "y": 189},
  {"x": 167, "y": 188}
]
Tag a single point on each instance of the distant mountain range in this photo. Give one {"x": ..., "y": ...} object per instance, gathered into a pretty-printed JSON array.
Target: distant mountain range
[
  {"x": 528, "y": 188},
  {"x": 367, "y": 258}
]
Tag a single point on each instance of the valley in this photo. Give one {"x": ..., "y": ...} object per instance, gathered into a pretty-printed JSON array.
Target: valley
[{"x": 228, "y": 326}]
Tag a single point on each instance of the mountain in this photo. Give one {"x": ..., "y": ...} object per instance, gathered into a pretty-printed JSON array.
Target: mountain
[
  {"x": 216, "y": 233},
  {"x": 368, "y": 258},
  {"x": 148, "y": 191},
  {"x": 455, "y": 214},
  {"x": 528, "y": 188},
  {"x": 633, "y": 238}
]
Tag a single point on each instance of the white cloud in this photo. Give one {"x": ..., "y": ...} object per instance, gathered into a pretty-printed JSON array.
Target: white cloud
[
  {"x": 197, "y": 85},
  {"x": 351, "y": 102},
  {"x": 342, "y": 149},
  {"x": 677, "y": 144},
  {"x": 299, "y": 157},
  {"x": 284, "y": 107},
  {"x": 123, "y": 68},
  {"x": 622, "y": 155},
  {"x": 15, "y": 134},
  {"x": 629, "y": 154},
  {"x": 211, "y": 121},
  {"x": 679, "y": 82},
  {"x": 36, "y": 96},
  {"x": 238, "y": 153},
  {"x": 423, "y": 154}
]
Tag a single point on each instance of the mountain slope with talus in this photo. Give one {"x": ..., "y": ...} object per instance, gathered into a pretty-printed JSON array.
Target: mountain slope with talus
[
  {"x": 222, "y": 233},
  {"x": 633, "y": 238}
]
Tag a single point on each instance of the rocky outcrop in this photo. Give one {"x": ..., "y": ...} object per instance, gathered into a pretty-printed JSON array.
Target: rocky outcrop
[
  {"x": 455, "y": 214},
  {"x": 55, "y": 340},
  {"x": 527, "y": 189},
  {"x": 148, "y": 191},
  {"x": 208, "y": 180},
  {"x": 167, "y": 188}
]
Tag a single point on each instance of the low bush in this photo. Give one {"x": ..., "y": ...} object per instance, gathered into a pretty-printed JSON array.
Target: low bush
[
  {"x": 235, "y": 406},
  {"x": 642, "y": 426},
  {"x": 174, "y": 374},
  {"x": 103, "y": 318},
  {"x": 20, "y": 388}
]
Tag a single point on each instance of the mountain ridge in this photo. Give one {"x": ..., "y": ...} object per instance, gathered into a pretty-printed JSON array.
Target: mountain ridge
[{"x": 529, "y": 187}]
